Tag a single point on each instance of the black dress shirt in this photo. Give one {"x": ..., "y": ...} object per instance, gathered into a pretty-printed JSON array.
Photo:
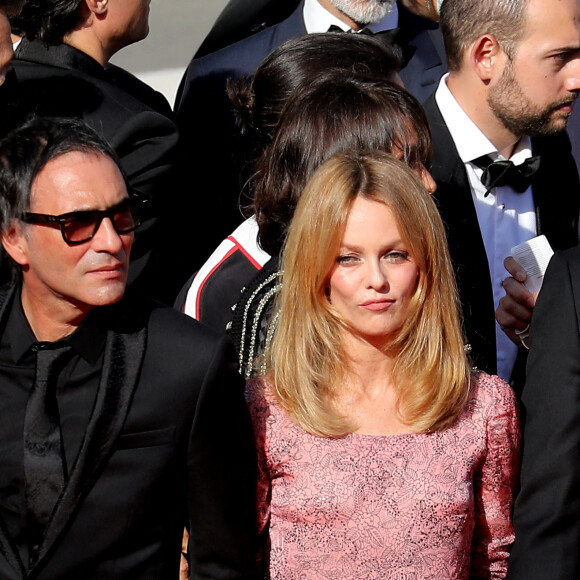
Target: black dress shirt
[{"x": 76, "y": 389}]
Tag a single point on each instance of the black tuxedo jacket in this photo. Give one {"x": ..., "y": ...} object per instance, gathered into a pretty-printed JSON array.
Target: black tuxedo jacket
[
  {"x": 63, "y": 81},
  {"x": 169, "y": 440},
  {"x": 210, "y": 137},
  {"x": 547, "y": 508},
  {"x": 556, "y": 196}
]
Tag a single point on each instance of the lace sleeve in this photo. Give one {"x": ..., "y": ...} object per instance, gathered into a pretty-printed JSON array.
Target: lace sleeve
[
  {"x": 495, "y": 481},
  {"x": 259, "y": 412}
]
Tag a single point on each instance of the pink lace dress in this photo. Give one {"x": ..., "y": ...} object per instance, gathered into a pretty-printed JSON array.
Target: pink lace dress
[{"x": 407, "y": 507}]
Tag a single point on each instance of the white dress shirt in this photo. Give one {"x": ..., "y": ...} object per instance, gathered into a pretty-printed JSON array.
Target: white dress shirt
[
  {"x": 506, "y": 218},
  {"x": 319, "y": 19}
]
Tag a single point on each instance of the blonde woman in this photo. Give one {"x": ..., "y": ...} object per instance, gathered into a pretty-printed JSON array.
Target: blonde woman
[{"x": 381, "y": 454}]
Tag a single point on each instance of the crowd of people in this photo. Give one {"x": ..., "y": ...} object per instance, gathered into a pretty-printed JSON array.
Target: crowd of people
[{"x": 277, "y": 329}]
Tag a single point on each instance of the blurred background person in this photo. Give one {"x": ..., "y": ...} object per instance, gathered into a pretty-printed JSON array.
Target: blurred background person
[
  {"x": 380, "y": 454},
  {"x": 62, "y": 69},
  {"x": 206, "y": 121}
]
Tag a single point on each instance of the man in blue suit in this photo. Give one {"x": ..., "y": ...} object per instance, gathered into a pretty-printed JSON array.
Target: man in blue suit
[{"x": 205, "y": 117}]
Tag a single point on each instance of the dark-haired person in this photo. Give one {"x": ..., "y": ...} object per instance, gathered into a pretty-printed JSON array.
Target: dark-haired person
[
  {"x": 258, "y": 102},
  {"x": 62, "y": 69},
  {"x": 336, "y": 111},
  {"x": 514, "y": 76},
  {"x": 205, "y": 118},
  {"x": 122, "y": 421}
]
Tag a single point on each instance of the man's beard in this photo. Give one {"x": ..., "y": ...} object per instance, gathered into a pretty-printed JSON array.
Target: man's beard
[
  {"x": 364, "y": 11},
  {"x": 519, "y": 115}
]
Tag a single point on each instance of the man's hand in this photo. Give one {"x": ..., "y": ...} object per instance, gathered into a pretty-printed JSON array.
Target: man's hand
[
  {"x": 184, "y": 567},
  {"x": 515, "y": 309}
]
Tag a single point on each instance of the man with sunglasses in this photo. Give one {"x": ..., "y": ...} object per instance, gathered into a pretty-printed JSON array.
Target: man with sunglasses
[{"x": 138, "y": 428}]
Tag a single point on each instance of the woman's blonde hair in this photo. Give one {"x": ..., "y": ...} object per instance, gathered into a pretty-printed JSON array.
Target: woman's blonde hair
[{"x": 306, "y": 362}]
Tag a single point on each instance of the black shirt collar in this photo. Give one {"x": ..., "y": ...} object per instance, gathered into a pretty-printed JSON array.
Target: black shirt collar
[
  {"x": 61, "y": 55},
  {"x": 88, "y": 340}
]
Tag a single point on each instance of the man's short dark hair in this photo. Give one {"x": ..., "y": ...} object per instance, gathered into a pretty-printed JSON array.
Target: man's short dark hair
[
  {"x": 464, "y": 21},
  {"x": 26, "y": 150},
  {"x": 48, "y": 20}
]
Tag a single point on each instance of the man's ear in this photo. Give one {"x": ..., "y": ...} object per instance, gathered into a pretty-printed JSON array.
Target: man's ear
[
  {"x": 97, "y": 6},
  {"x": 14, "y": 243},
  {"x": 486, "y": 57}
]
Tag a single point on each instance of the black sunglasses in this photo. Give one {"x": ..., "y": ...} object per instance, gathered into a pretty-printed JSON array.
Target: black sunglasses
[{"x": 78, "y": 227}]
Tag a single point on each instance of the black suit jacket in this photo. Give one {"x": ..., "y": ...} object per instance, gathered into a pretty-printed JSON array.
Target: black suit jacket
[
  {"x": 209, "y": 134},
  {"x": 63, "y": 81},
  {"x": 555, "y": 189},
  {"x": 169, "y": 440},
  {"x": 547, "y": 508}
]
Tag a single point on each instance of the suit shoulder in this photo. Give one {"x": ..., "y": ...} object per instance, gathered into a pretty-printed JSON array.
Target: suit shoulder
[
  {"x": 57, "y": 91},
  {"x": 564, "y": 263},
  {"x": 139, "y": 89},
  {"x": 242, "y": 57},
  {"x": 164, "y": 319}
]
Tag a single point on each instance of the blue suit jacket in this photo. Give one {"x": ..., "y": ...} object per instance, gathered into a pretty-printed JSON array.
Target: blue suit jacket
[{"x": 209, "y": 134}]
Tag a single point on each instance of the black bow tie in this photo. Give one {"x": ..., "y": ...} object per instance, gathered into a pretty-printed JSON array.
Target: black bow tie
[
  {"x": 503, "y": 172},
  {"x": 335, "y": 28},
  {"x": 391, "y": 37}
]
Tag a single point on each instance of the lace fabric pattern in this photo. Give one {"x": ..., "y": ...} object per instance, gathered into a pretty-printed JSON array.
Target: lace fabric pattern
[{"x": 407, "y": 507}]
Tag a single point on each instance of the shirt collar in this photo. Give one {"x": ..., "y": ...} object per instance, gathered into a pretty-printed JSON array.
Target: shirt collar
[
  {"x": 88, "y": 340},
  {"x": 60, "y": 55},
  {"x": 469, "y": 140},
  {"x": 318, "y": 19}
]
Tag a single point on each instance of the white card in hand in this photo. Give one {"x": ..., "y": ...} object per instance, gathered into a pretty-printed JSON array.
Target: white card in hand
[{"x": 533, "y": 256}]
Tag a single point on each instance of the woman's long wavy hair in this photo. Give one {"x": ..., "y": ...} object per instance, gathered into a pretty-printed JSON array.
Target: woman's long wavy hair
[{"x": 307, "y": 362}]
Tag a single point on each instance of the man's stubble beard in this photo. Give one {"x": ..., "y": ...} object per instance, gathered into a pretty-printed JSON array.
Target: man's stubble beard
[{"x": 519, "y": 115}]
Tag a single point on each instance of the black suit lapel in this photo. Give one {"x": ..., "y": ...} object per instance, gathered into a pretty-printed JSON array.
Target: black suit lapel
[
  {"x": 455, "y": 203},
  {"x": 123, "y": 359},
  {"x": 6, "y": 546},
  {"x": 555, "y": 189},
  {"x": 61, "y": 55}
]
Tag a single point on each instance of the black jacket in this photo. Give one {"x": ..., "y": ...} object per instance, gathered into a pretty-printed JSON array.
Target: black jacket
[
  {"x": 61, "y": 81},
  {"x": 169, "y": 442},
  {"x": 555, "y": 190}
]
